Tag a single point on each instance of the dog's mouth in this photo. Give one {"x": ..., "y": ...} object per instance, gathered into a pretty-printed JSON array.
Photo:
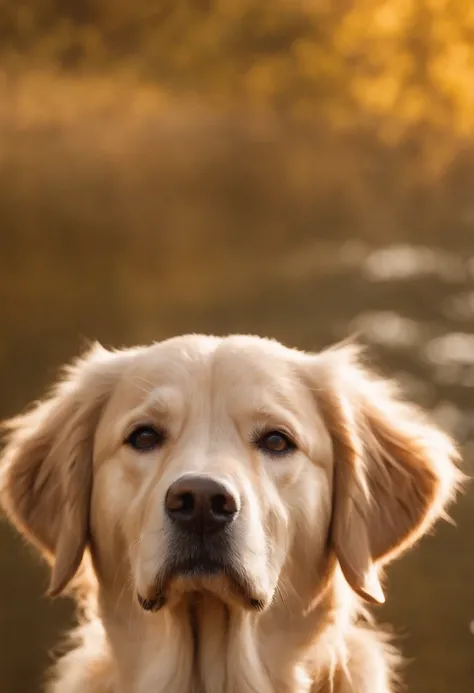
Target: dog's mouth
[{"x": 222, "y": 578}]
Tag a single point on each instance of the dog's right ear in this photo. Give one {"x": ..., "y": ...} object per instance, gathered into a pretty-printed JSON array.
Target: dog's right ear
[{"x": 46, "y": 466}]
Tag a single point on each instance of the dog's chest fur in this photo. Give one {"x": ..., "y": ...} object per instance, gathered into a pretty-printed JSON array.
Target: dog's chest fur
[{"x": 205, "y": 648}]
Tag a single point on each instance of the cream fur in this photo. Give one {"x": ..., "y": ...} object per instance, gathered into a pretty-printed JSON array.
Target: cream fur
[{"x": 369, "y": 477}]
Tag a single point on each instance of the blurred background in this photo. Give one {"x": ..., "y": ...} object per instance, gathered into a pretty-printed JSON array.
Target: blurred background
[{"x": 302, "y": 169}]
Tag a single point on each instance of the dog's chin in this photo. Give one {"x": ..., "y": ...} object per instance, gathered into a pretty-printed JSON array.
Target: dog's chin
[{"x": 180, "y": 582}]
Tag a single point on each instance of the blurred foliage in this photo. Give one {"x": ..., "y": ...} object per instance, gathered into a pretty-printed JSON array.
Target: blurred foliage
[
  {"x": 233, "y": 165},
  {"x": 402, "y": 61}
]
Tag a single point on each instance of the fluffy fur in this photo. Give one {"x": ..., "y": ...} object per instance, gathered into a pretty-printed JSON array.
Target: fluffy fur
[{"x": 369, "y": 477}]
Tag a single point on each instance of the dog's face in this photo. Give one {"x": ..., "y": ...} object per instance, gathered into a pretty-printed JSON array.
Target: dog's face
[
  {"x": 224, "y": 465},
  {"x": 208, "y": 457}
]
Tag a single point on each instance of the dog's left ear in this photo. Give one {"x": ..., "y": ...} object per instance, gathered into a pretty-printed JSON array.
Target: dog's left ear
[
  {"x": 46, "y": 466},
  {"x": 394, "y": 471}
]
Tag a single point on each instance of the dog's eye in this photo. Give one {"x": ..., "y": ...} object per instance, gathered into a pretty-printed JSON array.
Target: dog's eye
[
  {"x": 145, "y": 438},
  {"x": 276, "y": 443}
]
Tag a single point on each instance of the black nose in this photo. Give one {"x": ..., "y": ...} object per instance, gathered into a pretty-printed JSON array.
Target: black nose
[{"x": 200, "y": 504}]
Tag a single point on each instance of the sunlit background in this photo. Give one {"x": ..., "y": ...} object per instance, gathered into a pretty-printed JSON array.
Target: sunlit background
[{"x": 302, "y": 169}]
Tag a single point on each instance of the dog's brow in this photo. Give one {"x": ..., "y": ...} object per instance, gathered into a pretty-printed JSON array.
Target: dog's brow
[
  {"x": 276, "y": 400},
  {"x": 163, "y": 400},
  {"x": 276, "y": 415},
  {"x": 164, "y": 396}
]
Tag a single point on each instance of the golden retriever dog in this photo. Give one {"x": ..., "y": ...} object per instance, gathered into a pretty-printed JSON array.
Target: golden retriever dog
[{"x": 223, "y": 508}]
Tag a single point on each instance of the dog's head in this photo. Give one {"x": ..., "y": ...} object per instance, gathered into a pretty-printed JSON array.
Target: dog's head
[{"x": 214, "y": 464}]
